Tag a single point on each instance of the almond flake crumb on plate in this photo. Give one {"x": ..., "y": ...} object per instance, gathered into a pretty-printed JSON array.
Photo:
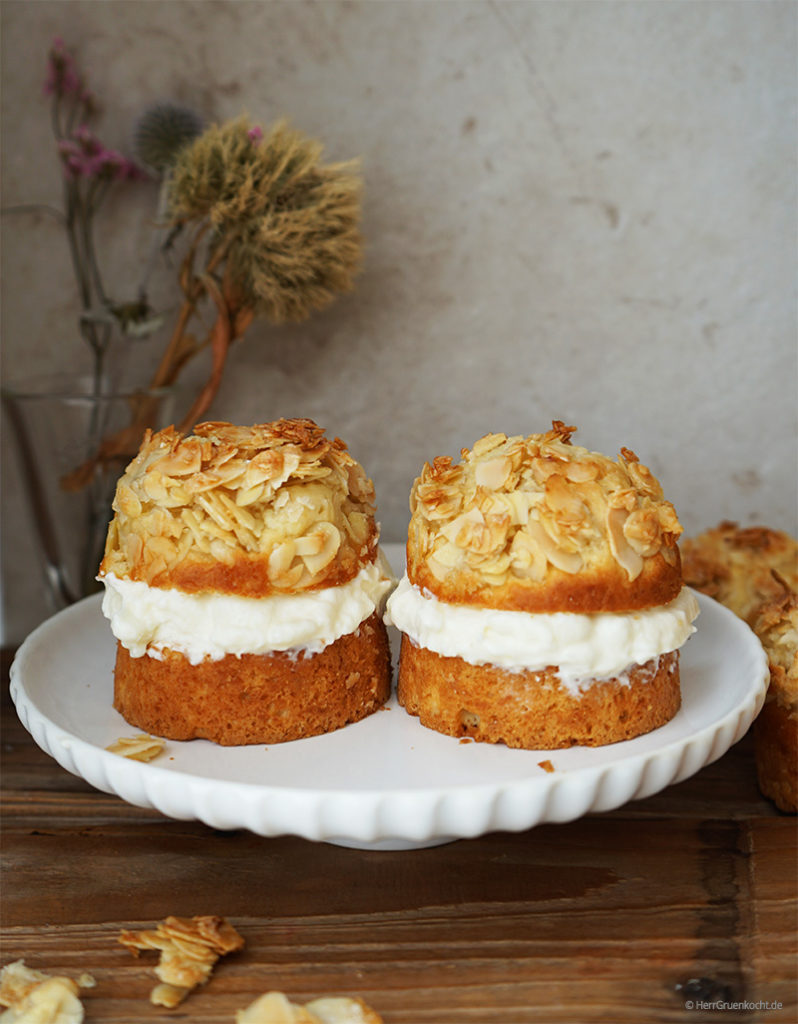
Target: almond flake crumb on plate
[{"x": 138, "y": 748}]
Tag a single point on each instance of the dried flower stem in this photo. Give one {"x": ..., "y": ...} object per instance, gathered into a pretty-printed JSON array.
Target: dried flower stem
[
  {"x": 221, "y": 337},
  {"x": 229, "y": 325},
  {"x": 173, "y": 358},
  {"x": 275, "y": 231}
]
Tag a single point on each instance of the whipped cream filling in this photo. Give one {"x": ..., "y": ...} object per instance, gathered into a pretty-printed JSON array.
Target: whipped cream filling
[
  {"x": 583, "y": 648},
  {"x": 148, "y": 620}
]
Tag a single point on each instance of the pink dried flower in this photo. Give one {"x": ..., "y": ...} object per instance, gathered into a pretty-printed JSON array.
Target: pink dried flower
[
  {"x": 84, "y": 156},
  {"x": 63, "y": 78},
  {"x": 255, "y": 134}
]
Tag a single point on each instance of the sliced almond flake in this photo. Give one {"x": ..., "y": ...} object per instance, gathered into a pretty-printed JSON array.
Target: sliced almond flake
[
  {"x": 213, "y": 506},
  {"x": 277, "y": 1008},
  {"x": 623, "y": 553},
  {"x": 249, "y": 495},
  {"x": 138, "y": 748},
  {"x": 191, "y": 520},
  {"x": 169, "y": 996},
  {"x": 240, "y": 515}
]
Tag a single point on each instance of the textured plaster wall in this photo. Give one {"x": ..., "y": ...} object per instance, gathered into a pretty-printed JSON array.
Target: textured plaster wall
[{"x": 573, "y": 210}]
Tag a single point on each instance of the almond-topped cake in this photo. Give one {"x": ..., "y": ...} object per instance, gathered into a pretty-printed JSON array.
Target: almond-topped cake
[
  {"x": 244, "y": 585},
  {"x": 543, "y": 604},
  {"x": 753, "y": 570}
]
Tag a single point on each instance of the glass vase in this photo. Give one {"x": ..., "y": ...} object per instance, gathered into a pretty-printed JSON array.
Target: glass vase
[{"x": 58, "y": 424}]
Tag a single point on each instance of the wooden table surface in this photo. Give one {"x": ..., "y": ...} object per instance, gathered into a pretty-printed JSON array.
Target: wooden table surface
[{"x": 648, "y": 913}]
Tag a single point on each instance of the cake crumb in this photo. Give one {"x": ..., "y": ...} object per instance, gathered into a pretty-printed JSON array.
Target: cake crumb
[{"x": 546, "y": 765}]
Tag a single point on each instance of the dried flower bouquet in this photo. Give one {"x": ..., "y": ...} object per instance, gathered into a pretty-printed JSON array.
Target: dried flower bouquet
[{"x": 268, "y": 230}]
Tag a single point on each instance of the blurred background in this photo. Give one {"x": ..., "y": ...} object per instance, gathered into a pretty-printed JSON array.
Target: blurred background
[{"x": 577, "y": 210}]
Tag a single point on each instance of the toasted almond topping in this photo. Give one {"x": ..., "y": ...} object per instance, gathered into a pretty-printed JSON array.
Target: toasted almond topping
[
  {"x": 515, "y": 506},
  {"x": 242, "y": 494}
]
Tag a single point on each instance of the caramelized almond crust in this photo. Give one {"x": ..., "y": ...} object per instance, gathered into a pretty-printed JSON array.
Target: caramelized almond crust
[
  {"x": 539, "y": 524},
  {"x": 776, "y": 752},
  {"x": 533, "y": 710},
  {"x": 256, "y": 698},
  {"x": 272, "y": 508}
]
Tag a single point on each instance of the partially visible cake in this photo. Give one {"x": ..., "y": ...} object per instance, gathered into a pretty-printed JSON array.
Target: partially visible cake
[
  {"x": 543, "y": 604},
  {"x": 245, "y": 585},
  {"x": 754, "y": 572}
]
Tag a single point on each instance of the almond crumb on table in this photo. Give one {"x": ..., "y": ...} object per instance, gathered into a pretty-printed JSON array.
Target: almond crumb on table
[{"x": 189, "y": 949}]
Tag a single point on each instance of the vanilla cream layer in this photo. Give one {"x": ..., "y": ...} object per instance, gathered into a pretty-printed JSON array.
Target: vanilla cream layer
[
  {"x": 148, "y": 620},
  {"x": 595, "y": 646}
]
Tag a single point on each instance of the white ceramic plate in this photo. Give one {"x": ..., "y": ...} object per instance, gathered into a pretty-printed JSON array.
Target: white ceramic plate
[{"x": 386, "y": 782}]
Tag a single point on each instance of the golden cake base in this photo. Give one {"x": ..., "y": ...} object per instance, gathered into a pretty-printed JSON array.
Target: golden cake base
[
  {"x": 533, "y": 710},
  {"x": 776, "y": 751},
  {"x": 256, "y": 698}
]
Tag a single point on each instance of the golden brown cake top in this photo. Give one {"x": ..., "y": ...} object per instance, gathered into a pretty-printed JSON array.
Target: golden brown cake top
[
  {"x": 539, "y": 524},
  {"x": 753, "y": 571},
  {"x": 275, "y": 507},
  {"x": 735, "y": 565}
]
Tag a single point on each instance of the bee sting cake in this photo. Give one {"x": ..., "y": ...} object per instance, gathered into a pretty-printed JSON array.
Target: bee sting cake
[
  {"x": 245, "y": 586},
  {"x": 543, "y": 604}
]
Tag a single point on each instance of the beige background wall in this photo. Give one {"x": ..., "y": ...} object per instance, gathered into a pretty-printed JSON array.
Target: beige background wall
[{"x": 573, "y": 210}]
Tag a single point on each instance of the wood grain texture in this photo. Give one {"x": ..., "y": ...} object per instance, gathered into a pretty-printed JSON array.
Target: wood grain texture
[{"x": 623, "y": 916}]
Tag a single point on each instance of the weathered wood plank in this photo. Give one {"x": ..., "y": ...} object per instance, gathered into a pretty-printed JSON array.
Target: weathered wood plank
[
  {"x": 618, "y": 917},
  {"x": 467, "y": 982}
]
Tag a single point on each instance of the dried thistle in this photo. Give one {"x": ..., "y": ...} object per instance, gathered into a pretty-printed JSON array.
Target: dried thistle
[
  {"x": 272, "y": 231},
  {"x": 287, "y": 222},
  {"x": 162, "y": 131}
]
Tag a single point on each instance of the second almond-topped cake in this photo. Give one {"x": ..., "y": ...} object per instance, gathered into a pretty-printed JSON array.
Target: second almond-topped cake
[
  {"x": 245, "y": 586},
  {"x": 543, "y": 604}
]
